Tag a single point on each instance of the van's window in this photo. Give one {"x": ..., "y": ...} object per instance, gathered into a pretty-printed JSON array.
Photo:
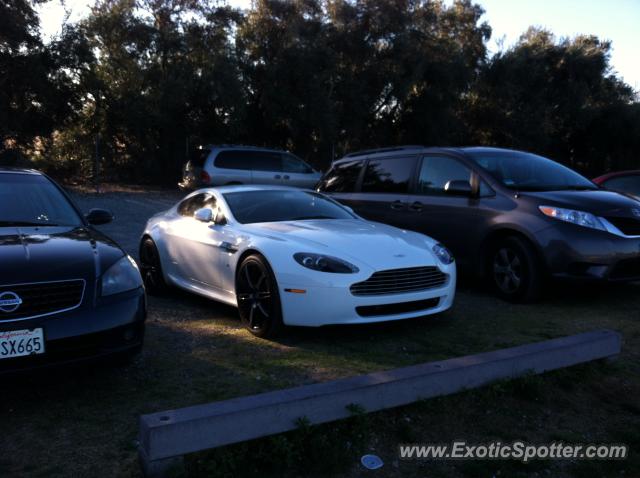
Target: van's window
[
  {"x": 390, "y": 175},
  {"x": 627, "y": 184},
  {"x": 437, "y": 171},
  {"x": 293, "y": 164},
  {"x": 189, "y": 206},
  {"x": 234, "y": 160},
  {"x": 197, "y": 157},
  {"x": 342, "y": 178},
  {"x": 529, "y": 172},
  {"x": 266, "y": 161}
]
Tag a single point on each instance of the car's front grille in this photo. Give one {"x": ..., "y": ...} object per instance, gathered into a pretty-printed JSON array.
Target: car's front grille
[
  {"x": 629, "y": 226},
  {"x": 21, "y": 301},
  {"x": 395, "y": 309},
  {"x": 398, "y": 281}
]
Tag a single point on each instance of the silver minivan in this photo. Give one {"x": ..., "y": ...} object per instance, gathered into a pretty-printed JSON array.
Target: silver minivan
[{"x": 219, "y": 165}]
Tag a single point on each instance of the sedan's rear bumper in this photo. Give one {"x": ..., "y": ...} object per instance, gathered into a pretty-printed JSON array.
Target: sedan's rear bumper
[{"x": 113, "y": 328}]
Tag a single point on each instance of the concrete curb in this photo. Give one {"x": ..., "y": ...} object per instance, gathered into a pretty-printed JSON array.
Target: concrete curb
[{"x": 166, "y": 436}]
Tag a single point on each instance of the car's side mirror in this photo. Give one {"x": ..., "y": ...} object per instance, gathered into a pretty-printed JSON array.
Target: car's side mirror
[
  {"x": 458, "y": 187},
  {"x": 204, "y": 215},
  {"x": 96, "y": 217}
]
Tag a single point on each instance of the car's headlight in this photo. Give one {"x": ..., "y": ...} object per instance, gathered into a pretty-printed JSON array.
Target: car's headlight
[
  {"x": 121, "y": 277},
  {"x": 322, "y": 263},
  {"x": 579, "y": 218},
  {"x": 443, "y": 254}
]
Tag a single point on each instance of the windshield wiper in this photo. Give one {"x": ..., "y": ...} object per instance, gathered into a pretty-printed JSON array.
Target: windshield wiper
[{"x": 25, "y": 224}]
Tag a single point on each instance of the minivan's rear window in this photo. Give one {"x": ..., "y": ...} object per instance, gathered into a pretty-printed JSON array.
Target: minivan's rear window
[
  {"x": 390, "y": 175},
  {"x": 197, "y": 157}
]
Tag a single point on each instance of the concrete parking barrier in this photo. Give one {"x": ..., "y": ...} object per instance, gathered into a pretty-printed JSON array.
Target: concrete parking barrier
[{"x": 165, "y": 437}]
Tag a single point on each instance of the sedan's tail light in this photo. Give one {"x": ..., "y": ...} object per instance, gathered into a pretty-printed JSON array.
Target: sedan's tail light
[{"x": 204, "y": 177}]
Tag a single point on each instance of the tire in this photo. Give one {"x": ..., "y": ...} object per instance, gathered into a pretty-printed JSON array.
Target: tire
[
  {"x": 258, "y": 298},
  {"x": 151, "y": 267},
  {"x": 515, "y": 271}
]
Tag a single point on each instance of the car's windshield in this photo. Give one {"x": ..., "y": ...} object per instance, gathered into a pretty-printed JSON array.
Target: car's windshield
[
  {"x": 529, "y": 172},
  {"x": 33, "y": 200},
  {"x": 282, "y": 205}
]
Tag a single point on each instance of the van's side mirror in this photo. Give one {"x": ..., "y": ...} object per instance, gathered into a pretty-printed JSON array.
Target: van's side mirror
[
  {"x": 96, "y": 217},
  {"x": 458, "y": 187},
  {"x": 204, "y": 215}
]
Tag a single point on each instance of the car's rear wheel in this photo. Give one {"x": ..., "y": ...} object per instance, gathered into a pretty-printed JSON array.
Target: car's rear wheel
[
  {"x": 151, "y": 268},
  {"x": 515, "y": 270},
  {"x": 258, "y": 297}
]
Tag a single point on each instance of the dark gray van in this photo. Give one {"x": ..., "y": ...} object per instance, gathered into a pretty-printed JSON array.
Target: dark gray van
[{"x": 511, "y": 216}]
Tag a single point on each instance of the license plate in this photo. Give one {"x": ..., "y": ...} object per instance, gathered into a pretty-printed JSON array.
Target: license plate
[{"x": 18, "y": 343}]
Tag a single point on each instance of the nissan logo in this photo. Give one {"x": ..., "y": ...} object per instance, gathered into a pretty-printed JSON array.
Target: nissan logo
[
  {"x": 635, "y": 212},
  {"x": 9, "y": 302}
]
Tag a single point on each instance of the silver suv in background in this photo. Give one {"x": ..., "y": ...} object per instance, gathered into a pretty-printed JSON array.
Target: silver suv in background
[{"x": 219, "y": 165}]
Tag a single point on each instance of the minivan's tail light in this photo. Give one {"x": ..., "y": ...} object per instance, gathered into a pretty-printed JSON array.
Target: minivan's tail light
[{"x": 204, "y": 177}]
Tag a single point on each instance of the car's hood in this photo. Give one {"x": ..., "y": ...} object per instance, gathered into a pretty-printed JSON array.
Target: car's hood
[
  {"x": 377, "y": 245},
  {"x": 31, "y": 254},
  {"x": 599, "y": 202}
]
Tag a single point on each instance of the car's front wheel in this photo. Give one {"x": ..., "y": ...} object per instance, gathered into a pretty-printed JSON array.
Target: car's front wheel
[
  {"x": 515, "y": 270},
  {"x": 151, "y": 268},
  {"x": 258, "y": 297}
]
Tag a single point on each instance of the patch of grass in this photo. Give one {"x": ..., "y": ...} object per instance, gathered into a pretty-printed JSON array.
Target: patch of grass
[{"x": 307, "y": 451}]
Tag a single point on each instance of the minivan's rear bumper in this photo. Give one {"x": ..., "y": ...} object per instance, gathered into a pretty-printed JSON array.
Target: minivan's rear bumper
[{"x": 581, "y": 253}]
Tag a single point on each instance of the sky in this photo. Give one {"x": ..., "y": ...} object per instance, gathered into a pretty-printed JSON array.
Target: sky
[{"x": 614, "y": 20}]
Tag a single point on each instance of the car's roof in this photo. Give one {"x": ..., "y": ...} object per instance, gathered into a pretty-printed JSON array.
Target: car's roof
[
  {"x": 616, "y": 174},
  {"x": 412, "y": 149},
  {"x": 11, "y": 170}
]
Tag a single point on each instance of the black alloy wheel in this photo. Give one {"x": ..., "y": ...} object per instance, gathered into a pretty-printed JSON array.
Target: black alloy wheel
[
  {"x": 151, "y": 268},
  {"x": 258, "y": 298}
]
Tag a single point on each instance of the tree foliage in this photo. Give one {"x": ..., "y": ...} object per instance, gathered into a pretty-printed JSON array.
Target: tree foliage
[{"x": 151, "y": 78}]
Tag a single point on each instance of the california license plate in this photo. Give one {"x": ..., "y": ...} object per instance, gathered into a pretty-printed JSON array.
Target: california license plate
[{"x": 18, "y": 343}]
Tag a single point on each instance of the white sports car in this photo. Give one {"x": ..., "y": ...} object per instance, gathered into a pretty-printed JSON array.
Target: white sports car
[{"x": 294, "y": 257}]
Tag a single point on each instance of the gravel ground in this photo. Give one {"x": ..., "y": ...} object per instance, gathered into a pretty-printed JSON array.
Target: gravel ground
[{"x": 131, "y": 210}]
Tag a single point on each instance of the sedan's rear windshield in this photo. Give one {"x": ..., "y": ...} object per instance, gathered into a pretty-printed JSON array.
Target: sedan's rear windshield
[
  {"x": 31, "y": 200},
  {"x": 529, "y": 172},
  {"x": 279, "y": 205}
]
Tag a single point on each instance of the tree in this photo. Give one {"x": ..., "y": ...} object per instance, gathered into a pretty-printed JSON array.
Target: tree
[
  {"x": 553, "y": 97},
  {"x": 35, "y": 91}
]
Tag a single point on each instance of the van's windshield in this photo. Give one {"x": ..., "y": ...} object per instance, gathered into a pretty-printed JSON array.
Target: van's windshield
[{"x": 529, "y": 172}]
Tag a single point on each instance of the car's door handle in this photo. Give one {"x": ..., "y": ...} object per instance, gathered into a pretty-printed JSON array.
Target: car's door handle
[
  {"x": 397, "y": 205},
  {"x": 286, "y": 176},
  {"x": 416, "y": 206},
  {"x": 277, "y": 176}
]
